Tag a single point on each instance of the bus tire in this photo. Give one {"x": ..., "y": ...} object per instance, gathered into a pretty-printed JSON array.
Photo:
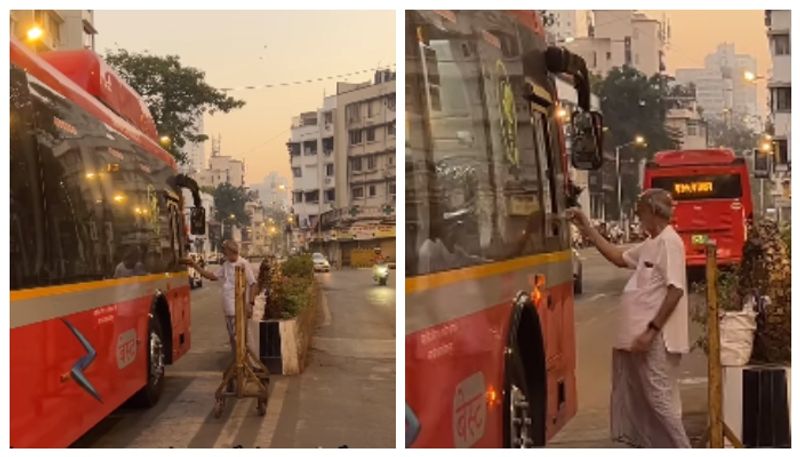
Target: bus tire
[
  {"x": 156, "y": 360},
  {"x": 525, "y": 374}
]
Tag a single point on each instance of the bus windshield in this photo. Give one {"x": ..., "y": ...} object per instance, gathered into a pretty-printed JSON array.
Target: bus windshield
[{"x": 701, "y": 187}]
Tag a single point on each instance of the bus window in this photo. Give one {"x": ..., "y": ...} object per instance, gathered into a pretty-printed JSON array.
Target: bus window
[{"x": 456, "y": 228}]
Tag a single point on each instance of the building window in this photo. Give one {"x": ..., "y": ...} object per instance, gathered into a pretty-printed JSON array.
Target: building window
[
  {"x": 330, "y": 195},
  {"x": 390, "y": 102},
  {"x": 294, "y": 148},
  {"x": 297, "y": 172},
  {"x": 312, "y": 197},
  {"x": 297, "y": 197},
  {"x": 594, "y": 59},
  {"x": 391, "y": 159},
  {"x": 310, "y": 148},
  {"x": 370, "y": 110},
  {"x": 608, "y": 55},
  {"x": 371, "y": 134},
  {"x": 327, "y": 145},
  {"x": 781, "y": 151},
  {"x": 356, "y": 163},
  {"x": 353, "y": 113},
  {"x": 691, "y": 128},
  {"x": 390, "y": 128},
  {"x": 355, "y": 137},
  {"x": 781, "y": 45},
  {"x": 329, "y": 169},
  {"x": 358, "y": 192},
  {"x": 371, "y": 163},
  {"x": 392, "y": 189},
  {"x": 781, "y": 99},
  {"x": 328, "y": 116},
  {"x": 372, "y": 190}
]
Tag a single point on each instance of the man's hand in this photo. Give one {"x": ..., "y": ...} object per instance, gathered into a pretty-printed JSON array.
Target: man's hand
[
  {"x": 643, "y": 342},
  {"x": 188, "y": 261},
  {"x": 579, "y": 218}
]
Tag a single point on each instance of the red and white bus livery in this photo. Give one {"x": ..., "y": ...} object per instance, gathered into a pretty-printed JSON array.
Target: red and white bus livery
[
  {"x": 490, "y": 335},
  {"x": 99, "y": 299}
]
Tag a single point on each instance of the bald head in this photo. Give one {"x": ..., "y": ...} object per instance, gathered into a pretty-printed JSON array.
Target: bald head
[{"x": 659, "y": 201}]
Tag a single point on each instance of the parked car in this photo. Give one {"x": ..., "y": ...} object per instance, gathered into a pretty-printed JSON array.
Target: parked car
[
  {"x": 320, "y": 262},
  {"x": 577, "y": 273}
]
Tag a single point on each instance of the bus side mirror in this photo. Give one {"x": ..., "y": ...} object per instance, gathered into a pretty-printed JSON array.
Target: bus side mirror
[
  {"x": 587, "y": 140},
  {"x": 197, "y": 221}
]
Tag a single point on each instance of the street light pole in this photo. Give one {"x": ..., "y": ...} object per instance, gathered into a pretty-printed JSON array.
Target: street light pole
[{"x": 619, "y": 182}]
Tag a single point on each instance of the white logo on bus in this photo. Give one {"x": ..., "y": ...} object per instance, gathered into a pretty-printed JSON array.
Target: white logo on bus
[
  {"x": 126, "y": 348},
  {"x": 469, "y": 410}
]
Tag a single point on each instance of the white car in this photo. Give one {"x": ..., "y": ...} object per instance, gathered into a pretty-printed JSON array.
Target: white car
[
  {"x": 320, "y": 262},
  {"x": 577, "y": 273}
]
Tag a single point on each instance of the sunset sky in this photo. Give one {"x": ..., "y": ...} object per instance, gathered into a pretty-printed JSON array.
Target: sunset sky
[
  {"x": 248, "y": 48},
  {"x": 243, "y": 48}
]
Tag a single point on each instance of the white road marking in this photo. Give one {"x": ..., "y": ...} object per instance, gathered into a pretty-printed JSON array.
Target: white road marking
[
  {"x": 178, "y": 424},
  {"x": 596, "y": 297},
  {"x": 693, "y": 381},
  {"x": 326, "y": 311},
  {"x": 274, "y": 408},
  {"x": 244, "y": 408}
]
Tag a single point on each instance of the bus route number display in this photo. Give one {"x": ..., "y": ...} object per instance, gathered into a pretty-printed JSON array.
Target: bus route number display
[{"x": 693, "y": 188}]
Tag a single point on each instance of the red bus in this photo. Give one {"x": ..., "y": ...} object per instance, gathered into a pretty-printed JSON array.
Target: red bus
[
  {"x": 490, "y": 335},
  {"x": 711, "y": 190},
  {"x": 99, "y": 300}
]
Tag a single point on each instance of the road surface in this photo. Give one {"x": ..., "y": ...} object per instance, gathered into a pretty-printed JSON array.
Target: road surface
[{"x": 346, "y": 395}]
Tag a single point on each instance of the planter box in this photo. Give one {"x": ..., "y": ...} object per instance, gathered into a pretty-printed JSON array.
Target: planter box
[
  {"x": 756, "y": 403},
  {"x": 283, "y": 344}
]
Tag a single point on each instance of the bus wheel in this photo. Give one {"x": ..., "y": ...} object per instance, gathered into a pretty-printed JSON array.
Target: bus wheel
[
  {"x": 519, "y": 411},
  {"x": 151, "y": 392}
]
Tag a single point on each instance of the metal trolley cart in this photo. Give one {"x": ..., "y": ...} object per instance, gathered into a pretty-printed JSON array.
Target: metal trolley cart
[{"x": 248, "y": 375}]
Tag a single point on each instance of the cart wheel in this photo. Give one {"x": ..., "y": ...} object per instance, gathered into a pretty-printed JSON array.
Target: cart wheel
[
  {"x": 219, "y": 405},
  {"x": 262, "y": 406}
]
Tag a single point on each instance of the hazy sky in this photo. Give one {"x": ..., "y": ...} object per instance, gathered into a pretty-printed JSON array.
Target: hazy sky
[{"x": 249, "y": 48}]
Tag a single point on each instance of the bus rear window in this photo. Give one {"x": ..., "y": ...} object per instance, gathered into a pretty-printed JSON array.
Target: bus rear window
[{"x": 700, "y": 187}]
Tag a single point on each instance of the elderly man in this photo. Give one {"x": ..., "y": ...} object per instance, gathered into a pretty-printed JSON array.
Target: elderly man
[
  {"x": 227, "y": 274},
  {"x": 653, "y": 328}
]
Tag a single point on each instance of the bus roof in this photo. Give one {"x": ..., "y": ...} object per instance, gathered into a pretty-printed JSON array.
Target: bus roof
[
  {"x": 87, "y": 69},
  {"x": 84, "y": 94},
  {"x": 693, "y": 157}
]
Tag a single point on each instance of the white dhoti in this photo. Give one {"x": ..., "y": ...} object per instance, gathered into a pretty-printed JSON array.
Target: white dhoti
[{"x": 645, "y": 398}]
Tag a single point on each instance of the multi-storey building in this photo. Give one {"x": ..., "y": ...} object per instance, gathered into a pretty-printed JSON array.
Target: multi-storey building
[
  {"x": 50, "y": 30},
  {"x": 311, "y": 152},
  {"x": 778, "y": 23},
  {"x": 720, "y": 86},
  {"x": 619, "y": 38}
]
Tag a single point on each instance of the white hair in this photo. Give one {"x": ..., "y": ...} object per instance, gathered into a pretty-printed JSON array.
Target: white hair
[{"x": 659, "y": 201}]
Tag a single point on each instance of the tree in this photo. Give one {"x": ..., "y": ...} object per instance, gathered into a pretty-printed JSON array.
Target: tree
[
  {"x": 175, "y": 94},
  {"x": 230, "y": 200},
  {"x": 733, "y": 134},
  {"x": 633, "y": 104}
]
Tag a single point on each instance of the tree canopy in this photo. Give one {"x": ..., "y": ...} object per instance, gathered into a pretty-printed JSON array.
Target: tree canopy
[
  {"x": 230, "y": 200},
  {"x": 176, "y": 95}
]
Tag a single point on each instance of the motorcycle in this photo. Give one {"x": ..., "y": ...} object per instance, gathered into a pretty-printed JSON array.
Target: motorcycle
[{"x": 380, "y": 274}]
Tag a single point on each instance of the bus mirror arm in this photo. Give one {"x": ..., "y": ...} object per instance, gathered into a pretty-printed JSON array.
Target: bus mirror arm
[{"x": 197, "y": 218}]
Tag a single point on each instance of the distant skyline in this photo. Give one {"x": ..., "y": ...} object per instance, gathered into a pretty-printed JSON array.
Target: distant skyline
[
  {"x": 255, "y": 48},
  {"x": 697, "y": 33}
]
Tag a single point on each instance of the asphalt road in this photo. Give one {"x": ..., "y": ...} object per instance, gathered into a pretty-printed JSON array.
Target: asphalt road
[
  {"x": 346, "y": 395},
  {"x": 594, "y": 324}
]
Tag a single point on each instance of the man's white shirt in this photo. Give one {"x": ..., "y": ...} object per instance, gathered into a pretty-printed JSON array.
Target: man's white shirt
[{"x": 659, "y": 262}]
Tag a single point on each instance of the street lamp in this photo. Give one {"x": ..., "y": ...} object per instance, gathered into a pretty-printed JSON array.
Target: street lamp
[
  {"x": 751, "y": 77},
  {"x": 638, "y": 140},
  {"x": 34, "y": 33}
]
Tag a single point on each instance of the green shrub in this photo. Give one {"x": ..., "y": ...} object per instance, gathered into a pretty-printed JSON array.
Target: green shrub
[
  {"x": 293, "y": 296},
  {"x": 299, "y": 266}
]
